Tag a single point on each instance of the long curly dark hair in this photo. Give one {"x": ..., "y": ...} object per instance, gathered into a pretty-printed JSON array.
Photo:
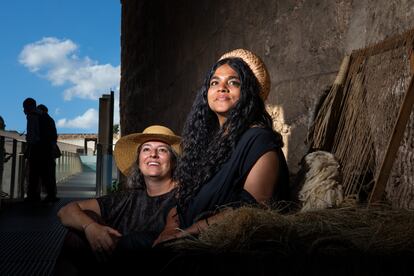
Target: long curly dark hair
[
  {"x": 206, "y": 145},
  {"x": 136, "y": 181}
]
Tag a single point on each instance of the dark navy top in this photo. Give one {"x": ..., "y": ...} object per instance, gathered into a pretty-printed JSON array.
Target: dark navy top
[{"x": 226, "y": 186}]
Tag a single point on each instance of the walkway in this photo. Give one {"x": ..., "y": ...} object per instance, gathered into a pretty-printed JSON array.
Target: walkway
[
  {"x": 82, "y": 185},
  {"x": 31, "y": 234}
]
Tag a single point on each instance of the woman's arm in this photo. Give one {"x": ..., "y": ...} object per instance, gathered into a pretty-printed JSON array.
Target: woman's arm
[
  {"x": 73, "y": 215},
  {"x": 100, "y": 237},
  {"x": 171, "y": 228},
  {"x": 260, "y": 181}
]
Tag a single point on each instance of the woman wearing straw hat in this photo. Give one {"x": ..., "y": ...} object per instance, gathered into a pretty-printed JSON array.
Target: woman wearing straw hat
[
  {"x": 231, "y": 155},
  {"x": 148, "y": 159}
]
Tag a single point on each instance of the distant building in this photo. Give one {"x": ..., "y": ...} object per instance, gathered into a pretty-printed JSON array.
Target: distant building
[{"x": 79, "y": 139}]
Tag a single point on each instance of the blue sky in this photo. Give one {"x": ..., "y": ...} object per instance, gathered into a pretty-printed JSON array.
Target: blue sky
[{"x": 63, "y": 53}]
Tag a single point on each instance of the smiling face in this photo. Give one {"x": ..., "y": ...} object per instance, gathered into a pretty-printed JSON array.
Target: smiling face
[
  {"x": 155, "y": 160},
  {"x": 223, "y": 92}
]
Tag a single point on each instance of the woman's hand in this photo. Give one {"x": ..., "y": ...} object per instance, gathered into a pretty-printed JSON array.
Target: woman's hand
[
  {"x": 169, "y": 234},
  {"x": 101, "y": 238},
  {"x": 176, "y": 233}
]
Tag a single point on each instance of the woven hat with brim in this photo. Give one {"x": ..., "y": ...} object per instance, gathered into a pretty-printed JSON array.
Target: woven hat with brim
[
  {"x": 256, "y": 65},
  {"x": 126, "y": 148}
]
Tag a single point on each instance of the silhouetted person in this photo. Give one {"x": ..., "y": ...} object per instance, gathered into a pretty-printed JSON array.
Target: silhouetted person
[
  {"x": 55, "y": 150},
  {"x": 41, "y": 138}
]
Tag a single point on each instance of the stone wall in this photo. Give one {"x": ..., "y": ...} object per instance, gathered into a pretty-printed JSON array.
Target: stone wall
[{"x": 168, "y": 46}]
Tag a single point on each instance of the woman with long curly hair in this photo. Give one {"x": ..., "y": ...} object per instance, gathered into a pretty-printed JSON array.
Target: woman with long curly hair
[{"x": 231, "y": 155}]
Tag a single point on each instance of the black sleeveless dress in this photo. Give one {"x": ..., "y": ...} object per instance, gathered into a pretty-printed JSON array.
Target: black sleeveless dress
[
  {"x": 226, "y": 186},
  {"x": 136, "y": 211}
]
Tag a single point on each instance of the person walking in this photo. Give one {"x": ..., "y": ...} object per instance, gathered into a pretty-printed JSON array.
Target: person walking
[{"x": 50, "y": 123}]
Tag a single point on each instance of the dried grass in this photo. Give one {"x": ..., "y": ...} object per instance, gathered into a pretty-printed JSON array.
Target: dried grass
[{"x": 333, "y": 232}]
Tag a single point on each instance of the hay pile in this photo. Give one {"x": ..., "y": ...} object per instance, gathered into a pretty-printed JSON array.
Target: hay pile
[{"x": 330, "y": 232}]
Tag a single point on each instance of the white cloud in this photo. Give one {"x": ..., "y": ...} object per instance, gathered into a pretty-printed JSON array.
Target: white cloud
[
  {"x": 48, "y": 51},
  {"x": 87, "y": 120},
  {"x": 92, "y": 81},
  {"x": 57, "y": 61}
]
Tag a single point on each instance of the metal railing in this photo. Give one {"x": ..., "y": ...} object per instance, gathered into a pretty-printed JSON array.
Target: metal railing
[
  {"x": 13, "y": 168},
  {"x": 66, "y": 165}
]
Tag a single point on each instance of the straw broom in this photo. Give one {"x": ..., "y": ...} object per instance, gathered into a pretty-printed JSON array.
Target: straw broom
[{"x": 321, "y": 133}]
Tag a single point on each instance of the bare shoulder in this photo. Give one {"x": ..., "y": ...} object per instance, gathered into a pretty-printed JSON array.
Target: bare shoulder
[{"x": 262, "y": 178}]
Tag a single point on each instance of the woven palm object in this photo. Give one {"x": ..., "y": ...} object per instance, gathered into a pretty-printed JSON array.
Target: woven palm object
[
  {"x": 256, "y": 65},
  {"x": 126, "y": 148}
]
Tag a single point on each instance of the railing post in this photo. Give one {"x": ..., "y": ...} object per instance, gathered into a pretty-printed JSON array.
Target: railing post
[
  {"x": 13, "y": 168},
  {"x": 2, "y": 155},
  {"x": 99, "y": 162},
  {"x": 22, "y": 170},
  {"x": 58, "y": 169},
  {"x": 21, "y": 175}
]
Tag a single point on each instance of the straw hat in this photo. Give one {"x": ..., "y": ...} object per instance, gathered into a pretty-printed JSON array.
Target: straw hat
[
  {"x": 126, "y": 148},
  {"x": 256, "y": 65}
]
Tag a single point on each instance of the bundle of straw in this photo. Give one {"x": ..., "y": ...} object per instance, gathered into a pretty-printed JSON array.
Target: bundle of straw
[
  {"x": 322, "y": 131},
  {"x": 337, "y": 232}
]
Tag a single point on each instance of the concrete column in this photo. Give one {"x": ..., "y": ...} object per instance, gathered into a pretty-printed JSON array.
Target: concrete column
[{"x": 105, "y": 138}]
